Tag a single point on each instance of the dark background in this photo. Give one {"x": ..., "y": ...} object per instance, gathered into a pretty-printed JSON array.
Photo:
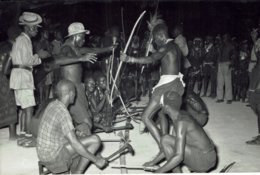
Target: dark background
[{"x": 199, "y": 18}]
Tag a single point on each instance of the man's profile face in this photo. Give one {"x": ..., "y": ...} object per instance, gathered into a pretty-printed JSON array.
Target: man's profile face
[
  {"x": 32, "y": 30},
  {"x": 159, "y": 38},
  {"x": 80, "y": 39}
]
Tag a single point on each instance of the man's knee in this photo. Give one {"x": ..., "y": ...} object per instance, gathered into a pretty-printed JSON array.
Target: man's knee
[
  {"x": 96, "y": 139},
  {"x": 152, "y": 107}
]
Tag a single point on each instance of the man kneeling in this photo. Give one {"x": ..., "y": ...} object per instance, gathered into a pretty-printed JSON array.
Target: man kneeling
[
  {"x": 190, "y": 144},
  {"x": 57, "y": 145}
]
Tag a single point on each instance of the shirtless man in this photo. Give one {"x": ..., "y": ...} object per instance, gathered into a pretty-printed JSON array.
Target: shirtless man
[
  {"x": 171, "y": 79},
  {"x": 189, "y": 144},
  {"x": 96, "y": 104},
  {"x": 72, "y": 49}
]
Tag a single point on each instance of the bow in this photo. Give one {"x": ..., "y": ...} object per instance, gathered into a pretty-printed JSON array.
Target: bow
[{"x": 126, "y": 47}]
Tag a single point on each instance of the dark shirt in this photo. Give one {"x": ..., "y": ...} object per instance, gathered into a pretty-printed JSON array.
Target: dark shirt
[
  {"x": 227, "y": 51},
  {"x": 195, "y": 57},
  {"x": 210, "y": 55}
]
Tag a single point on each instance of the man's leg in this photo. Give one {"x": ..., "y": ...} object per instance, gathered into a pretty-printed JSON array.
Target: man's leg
[
  {"x": 220, "y": 83},
  {"x": 147, "y": 118},
  {"x": 164, "y": 123},
  {"x": 213, "y": 82},
  {"x": 12, "y": 131},
  {"x": 28, "y": 117},
  {"x": 228, "y": 82},
  {"x": 22, "y": 122},
  {"x": 92, "y": 144},
  {"x": 199, "y": 82},
  {"x": 168, "y": 145},
  {"x": 206, "y": 83}
]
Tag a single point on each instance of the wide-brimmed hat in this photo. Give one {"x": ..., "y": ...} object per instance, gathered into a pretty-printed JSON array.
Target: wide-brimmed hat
[
  {"x": 76, "y": 28},
  {"x": 30, "y": 19}
]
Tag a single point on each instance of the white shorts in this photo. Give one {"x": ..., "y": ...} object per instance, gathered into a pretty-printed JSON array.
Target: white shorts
[{"x": 24, "y": 98}]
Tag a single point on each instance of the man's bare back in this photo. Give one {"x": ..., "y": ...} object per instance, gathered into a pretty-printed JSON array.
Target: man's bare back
[{"x": 195, "y": 135}]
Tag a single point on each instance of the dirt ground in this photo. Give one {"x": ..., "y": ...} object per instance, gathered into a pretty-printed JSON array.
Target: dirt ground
[{"x": 229, "y": 127}]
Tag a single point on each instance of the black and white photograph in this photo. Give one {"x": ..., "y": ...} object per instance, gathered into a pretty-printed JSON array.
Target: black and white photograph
[{"x": 129, "y": 86}]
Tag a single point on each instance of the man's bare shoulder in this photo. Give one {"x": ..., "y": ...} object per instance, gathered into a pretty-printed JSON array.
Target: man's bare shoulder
[
  {"x": 67, "y": 51},
  {"x": 170, "y": 47}
]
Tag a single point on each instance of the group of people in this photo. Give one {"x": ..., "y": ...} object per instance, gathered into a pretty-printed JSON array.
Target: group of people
[{"x": 82, "y": 101}]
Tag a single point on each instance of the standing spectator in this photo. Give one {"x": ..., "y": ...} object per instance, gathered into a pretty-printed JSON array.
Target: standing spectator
[
  {"x": 180, "y": 40},
  {"x": 44, "y": 86},
  {"x": 224, "y": 71},
  {"x": 242, "y": 78},
  {"x": 21, "y": 79},
  {"x": 56, "y": 42},
  {"x": 254, "y": 92},
  {"x": 196, "y": 58},
  {"x": 254, "y": 37},
  {"x": 209, "y": 66},
  {"x": 8, "y": 112}
]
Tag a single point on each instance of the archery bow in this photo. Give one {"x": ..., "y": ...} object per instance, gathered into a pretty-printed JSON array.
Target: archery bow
[{"x": 126, "y": 47}]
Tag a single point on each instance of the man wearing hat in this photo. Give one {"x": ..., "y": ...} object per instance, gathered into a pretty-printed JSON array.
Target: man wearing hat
[
  {"x": 23, "y": 59},
  {"x": 72, "y": 49}
]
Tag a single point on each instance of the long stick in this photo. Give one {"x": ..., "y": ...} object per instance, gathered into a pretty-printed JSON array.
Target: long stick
[
  {"x": 120, "y": 97},
  {"x": 126, "y": 47}
]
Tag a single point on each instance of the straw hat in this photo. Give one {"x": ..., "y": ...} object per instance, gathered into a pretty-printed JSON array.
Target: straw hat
[
  {"x": 76, "y": 28},
  {"x": 30, "y": 19}
]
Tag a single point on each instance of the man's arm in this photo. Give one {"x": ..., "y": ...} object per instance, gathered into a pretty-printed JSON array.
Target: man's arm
[
  {"x": 85, "y": 50},
  {"x": 143, "y": 60},
  {"x": 79, "y": 148},
  {"x": 65, "y": 60},
  {"x": 178, "y": 156}
]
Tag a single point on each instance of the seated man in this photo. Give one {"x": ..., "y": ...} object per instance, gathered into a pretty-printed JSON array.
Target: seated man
[
  {"x": 195, "y": 106},
  {"x": 57, "y": 145},
  {"x": 102, "y": 94},
  {"x": 189, "y": 145},
  {"x": 96, "y": 104}
]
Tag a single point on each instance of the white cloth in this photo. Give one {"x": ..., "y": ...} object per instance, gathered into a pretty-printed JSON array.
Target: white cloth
[
  {"x": 22, "y": 54},
  {"x": 24, "y": 98},
  {"x": 164, "y": 79}
]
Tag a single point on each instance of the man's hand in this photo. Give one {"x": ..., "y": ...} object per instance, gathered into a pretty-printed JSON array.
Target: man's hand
[
  {"x": 43, "y": 54},
  {"x": 101, "y": 162},
  {"x": 142, "y": 128},
  {"x": 107, "y": 129},
  {"x": 124, "y": 57},
  {"x": 151, "y": 168},
  {"x": 89, "y": 57}
]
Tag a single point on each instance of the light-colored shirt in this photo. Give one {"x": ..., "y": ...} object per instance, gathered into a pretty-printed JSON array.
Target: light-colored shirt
[{"x": 22, "y": 54}]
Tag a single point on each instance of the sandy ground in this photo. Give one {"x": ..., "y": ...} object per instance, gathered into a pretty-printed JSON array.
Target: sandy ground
[{"x": 229, "y": 127}]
